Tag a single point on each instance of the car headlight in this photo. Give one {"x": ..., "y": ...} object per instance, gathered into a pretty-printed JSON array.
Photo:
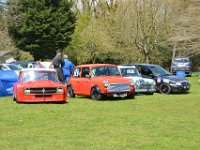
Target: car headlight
[
  {"x": 105, "y": 83},
  {"x": 132, "y": 82},
  {"x": 178, "y": 83},
  {"x": 27, "y": 91},
  {"x": 137, "y": 83},
  {"x": 59, "y": 90},
  {"x": 172, "y": 82}
]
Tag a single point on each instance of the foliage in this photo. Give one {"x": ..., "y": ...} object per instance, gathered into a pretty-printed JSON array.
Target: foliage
[
  {"x": 112, "y": 31},
  {"x": 5, "y": 41},
  {"x": 90, "y": 43},
  {"x": 41, "y": 27},
  {"x": 146, "y": 123}
]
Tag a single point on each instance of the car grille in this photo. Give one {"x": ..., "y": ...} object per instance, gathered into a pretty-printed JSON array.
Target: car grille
[
  {"x": 181, "y": 68},
  {"x": 185, "y": 83},
  {"x": 118, "y": 87},
  {"x": 43, "y": 90}
]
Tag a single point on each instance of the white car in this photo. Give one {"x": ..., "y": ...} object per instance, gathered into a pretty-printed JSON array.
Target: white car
[
  {"x": 142, "y": 85},
  {"x": 13, "y": 67}
]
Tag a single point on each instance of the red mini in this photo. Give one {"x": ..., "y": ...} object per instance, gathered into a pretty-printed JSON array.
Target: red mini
[{"x": 99, "y": 81}]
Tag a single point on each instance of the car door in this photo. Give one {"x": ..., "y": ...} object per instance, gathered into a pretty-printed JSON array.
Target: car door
[
  {"x": 145, "y": 72},
  {"x": 74, "y": 81},
  {"x": 85, "y": 81}
]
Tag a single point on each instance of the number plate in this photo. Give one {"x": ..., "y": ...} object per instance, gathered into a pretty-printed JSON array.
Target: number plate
[{"x": 120, "y": 95}]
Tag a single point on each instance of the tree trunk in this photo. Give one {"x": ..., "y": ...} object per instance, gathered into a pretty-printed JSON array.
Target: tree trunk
[{"x": 173, "y": 55}]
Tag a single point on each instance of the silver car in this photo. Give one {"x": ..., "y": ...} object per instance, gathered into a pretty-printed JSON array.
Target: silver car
[{"x": 142, "y": 85}]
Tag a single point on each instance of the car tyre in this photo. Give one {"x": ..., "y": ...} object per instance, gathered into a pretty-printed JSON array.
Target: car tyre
[
  {"x": 95, "y": 94},
  {"x": 14, "y": 97},
  {"x": 131, "y": 96},
  {"x": 70, "y": 92},
  {"x": 165, "y": 88}
]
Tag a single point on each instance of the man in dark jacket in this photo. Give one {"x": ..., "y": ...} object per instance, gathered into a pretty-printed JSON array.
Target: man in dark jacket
[
  {"x": 67, "y": 68},
  {"x": 58, "y": 62}
]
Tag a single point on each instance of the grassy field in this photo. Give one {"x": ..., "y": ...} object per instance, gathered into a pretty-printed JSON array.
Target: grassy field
[{"x": 169, "y": 122}]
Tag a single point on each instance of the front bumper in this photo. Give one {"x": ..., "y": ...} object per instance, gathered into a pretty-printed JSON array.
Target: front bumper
[
  {"x": 118, "y": 94},
  {"x": 145, "y": 90},
  {"x": 42, "y": 98},
  {"x": 187, "y": 71},
  {"x": 180, "y": 88}
]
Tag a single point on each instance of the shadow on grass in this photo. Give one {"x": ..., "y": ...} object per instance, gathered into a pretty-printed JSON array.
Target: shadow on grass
[
  {"x": 104, "y": 99},
  {"x": 31, "y": 103}
]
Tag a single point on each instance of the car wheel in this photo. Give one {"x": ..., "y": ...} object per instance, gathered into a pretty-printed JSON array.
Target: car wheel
[
  {"x": 95, "y": 94},
  {"x": 131, "y": 96},
  {"x": 70, "y": 92},
  {"x": 14, "y": 97},
  {"x": 165, "y": 88}
]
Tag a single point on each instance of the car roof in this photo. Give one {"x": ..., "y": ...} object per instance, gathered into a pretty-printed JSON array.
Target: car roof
[
  {"x": 141, "y": 64},
  {"x": 37, "y": 69},
  {"x": 126, "y": 66},
  {"x": 181, "y": 57},
  {"x": 95, "y": 65}
]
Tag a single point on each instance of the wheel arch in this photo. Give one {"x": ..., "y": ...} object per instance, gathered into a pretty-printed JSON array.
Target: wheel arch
[{"x": 97, "y": 87}]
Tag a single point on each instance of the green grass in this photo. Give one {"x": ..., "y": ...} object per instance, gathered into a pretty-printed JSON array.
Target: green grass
[{"x": 147, "y": 122}]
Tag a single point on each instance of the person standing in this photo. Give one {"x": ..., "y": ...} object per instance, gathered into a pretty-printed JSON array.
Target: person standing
[
  {"x": 67, "y": 68},
  {"x": 58, "y": 63}
]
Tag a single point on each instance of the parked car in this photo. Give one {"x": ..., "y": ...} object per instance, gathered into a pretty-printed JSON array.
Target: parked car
[
  {"x": 7, "y": 79},
  {"x": 99, "y": 81},
  {"x": 35, "y": 64},
  {"x": 39, "y": 85},
  {"x": 182, "y": 64},
  {"x": 13, "y": 67},
  {"x": 142, "y": 85},
  {"x": 165, "y": 82}
]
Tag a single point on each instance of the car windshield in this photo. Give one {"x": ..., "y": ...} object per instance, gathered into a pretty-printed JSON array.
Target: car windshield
[
  {"x": 14, "y": 67},
  {"x": 129, "y": 72},
  {"x": 159, "y": 70},
  {"x": 38, "y": 75},
  {"x": 181, "y": 60},
  {"x": 105, "y": 71}
]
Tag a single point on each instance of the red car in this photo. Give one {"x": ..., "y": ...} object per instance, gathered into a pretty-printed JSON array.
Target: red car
[
  {"x": 39, "y": 85},
  {"x": 99, "y": 81}
]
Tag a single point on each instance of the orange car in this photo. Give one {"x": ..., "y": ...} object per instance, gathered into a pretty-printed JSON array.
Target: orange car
[
  {"x": 39, "y": 85},
  {"x": 99, "y": 81}
]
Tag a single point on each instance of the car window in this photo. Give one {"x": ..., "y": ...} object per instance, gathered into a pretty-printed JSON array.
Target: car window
[
  {"x": 159, "y": 70},
  {"x": 105, "y": 71},
  {"x": 38, "y": 75},
  {"x": 76, "y": 73},
  {"x": 14, "y": 67},
  {"x": 3, "y": 67},
  {"x": 85, "y": 72},
  {"x": 145, "y": 70},
  {"x": 181, "y": 60},
  {"x": 127, "y": 72}
]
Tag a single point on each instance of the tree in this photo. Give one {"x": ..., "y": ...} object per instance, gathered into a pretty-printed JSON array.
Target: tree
[
  {"x": 41, "y": 26},
  {"x": 5, "y": 41},
  {"x": 186, "y": 30},
  {"x": 151, "y": 25}
]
